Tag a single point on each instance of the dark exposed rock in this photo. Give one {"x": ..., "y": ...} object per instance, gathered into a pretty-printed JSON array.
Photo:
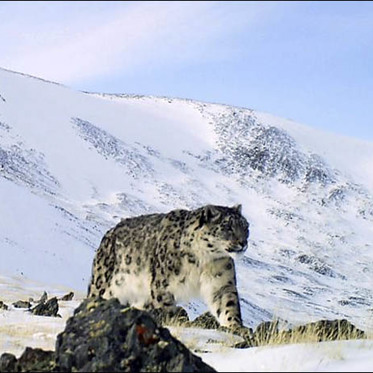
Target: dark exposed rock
[
  {"x": 170, "y": 316},
  {"x": 103, "y": 335},
  {"x": 208, "y": 321},
  {"x": 318, "y": 172},
  {"x": 27, "y": 167},
  {"x": 36, "y": 360},
  {"x": 43, "y": 298},
  {"x": 179, "y": 316},
  {"x": 3, "y": 306},
  {"x": 22, "y": 304},
  {"x": 323, "y": 330},
  {"x": 265, "y": 331},
  {"x": 247, "y": 144},
  {"x": 8, "y": 363},
  {"x": 111, "y": 147},
  {"x": 205, "y": 321},
  {"x": 49, "y": 308},
  {"x": 68, "y": 296},
  {"x": 32, "y": 360},
  {"x": 247, "y": 335},
  {"x": 317, "y": 265},
  {"x": 330, "y": 330},
  {"x": 355, "y": 301}
]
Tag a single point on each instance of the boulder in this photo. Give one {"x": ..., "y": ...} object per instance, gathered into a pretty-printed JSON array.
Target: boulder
[
  {"x": 22, "y": 304},
  {"x": 103, "y": 335},
  {"x": 329, "y": 330},
  {"x": 68, "y": 296},
  {"x": 32, "y": 360},
  {"x": 3, "y": 306},
  {"x": 8, "y": 363},
  {"x": 322, "y": 330},
  {"x": 205, "y": 321},
  {"x": 43, "y": 298},
  {"x": 49, "y": 308},
  {"x": 170, "y": 316}
]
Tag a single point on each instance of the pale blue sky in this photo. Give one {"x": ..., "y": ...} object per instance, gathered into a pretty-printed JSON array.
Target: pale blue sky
[{"x": 307, "y": 61}]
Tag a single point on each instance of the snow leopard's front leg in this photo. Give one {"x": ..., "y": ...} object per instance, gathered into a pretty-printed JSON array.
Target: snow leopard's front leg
[{"x": 218, "y": 287}]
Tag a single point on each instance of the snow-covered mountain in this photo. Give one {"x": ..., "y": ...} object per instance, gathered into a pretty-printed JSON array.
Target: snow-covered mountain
[{"x": 72, "y": 164}]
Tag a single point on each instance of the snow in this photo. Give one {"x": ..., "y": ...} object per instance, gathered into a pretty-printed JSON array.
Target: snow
[
  {"x": 41, "y": 222},
  {"x": 336, "y": 356},
  {"x": 19, "y": 328},
  {"x": 73, "y": 164},
  {"x": 353, "y": 156}
]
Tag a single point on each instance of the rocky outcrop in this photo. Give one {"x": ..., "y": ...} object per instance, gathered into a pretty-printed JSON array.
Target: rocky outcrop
[
  {"x": 171, "y": 316},
  {"x": 32, "y": 360},
  {"x": 104, "y": 335},
  {"x": 322, "y": 330},
  {"x": 3, "y": 306},
  {"x": 68, "y": 296},
  {"x": 47, "y": 308},
  {"x": 22, "y": 304},
  {"x": 269, "y": 332}
]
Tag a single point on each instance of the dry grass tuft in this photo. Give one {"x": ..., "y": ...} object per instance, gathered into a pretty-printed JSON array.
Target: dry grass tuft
[{"x": 322, "y": 330}]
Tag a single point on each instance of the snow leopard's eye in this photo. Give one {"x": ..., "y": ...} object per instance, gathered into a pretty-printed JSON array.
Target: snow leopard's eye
[{"x": 228, "y": 223}]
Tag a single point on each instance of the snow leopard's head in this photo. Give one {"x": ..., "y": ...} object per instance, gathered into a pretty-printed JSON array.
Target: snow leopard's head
[{"x": 225, "y": 226}]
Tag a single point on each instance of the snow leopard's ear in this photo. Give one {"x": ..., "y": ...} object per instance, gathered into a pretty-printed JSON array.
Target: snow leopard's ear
[
  {"x": 209, "y": 214},
  {"x": 238, "y": 208}
]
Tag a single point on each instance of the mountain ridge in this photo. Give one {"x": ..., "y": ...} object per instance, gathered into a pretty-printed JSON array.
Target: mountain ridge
[{"x": 74, "y": 163}]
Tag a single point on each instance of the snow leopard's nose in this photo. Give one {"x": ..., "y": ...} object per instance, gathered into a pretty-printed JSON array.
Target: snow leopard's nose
[
  {"x": 243, "y": 243},
  {"x": 243, "y": 246}
]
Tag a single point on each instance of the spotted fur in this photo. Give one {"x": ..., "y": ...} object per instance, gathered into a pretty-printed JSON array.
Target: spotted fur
[{"x": 159, "y": 260}]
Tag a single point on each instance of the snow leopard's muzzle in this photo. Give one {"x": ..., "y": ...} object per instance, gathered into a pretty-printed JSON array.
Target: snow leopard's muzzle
[
  {"x": 237, "y": 252},
  {"x": 238, "y": 248}
]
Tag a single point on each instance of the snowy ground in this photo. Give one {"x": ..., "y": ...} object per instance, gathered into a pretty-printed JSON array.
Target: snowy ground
[
  {"x": 72, "y": 164},
  {"x": 338, "y": 356},
  {"x": 19, "y": 328}
]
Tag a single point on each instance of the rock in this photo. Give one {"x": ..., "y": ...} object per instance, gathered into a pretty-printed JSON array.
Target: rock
[
  {"x": 3, "y": 306},
  {"x": 103, "y": 335},
  {"x": 247, "y": 335},
  {"x": 170, "y": 316},
  {"x": 329, "y": 330},
  {"x": 205, "y": 321},
  {"x": 43, "y": 298},
  {"x": 8, "y": 363},
  {"x": 22, "y": 304},
  {"x": 179, "y": 316},
  {"x": 208, "y": 321},
  {"x": 49, "y": 308},
  {"x": 36, "y": 360},
  {"x": 32, "y": 360},
  {"x": 266, "y": 332},
  {"x": 322, "y": 330},
  {"x": 68, "y": 296}
]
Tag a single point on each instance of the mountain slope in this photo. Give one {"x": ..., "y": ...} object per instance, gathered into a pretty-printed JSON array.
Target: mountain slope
[{"x": 73, "y": 164}]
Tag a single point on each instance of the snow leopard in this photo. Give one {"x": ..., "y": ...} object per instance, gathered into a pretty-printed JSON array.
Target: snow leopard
[{"x": 163, "y": 259}]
